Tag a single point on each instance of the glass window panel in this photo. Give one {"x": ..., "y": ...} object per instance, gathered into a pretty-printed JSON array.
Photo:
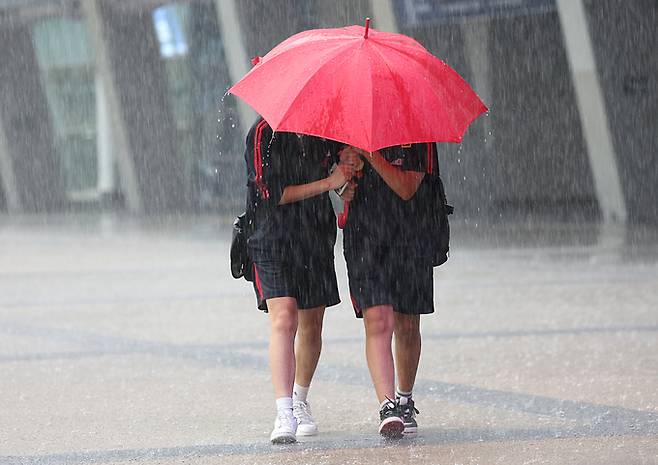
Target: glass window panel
[{"x": 67, "y": 72}]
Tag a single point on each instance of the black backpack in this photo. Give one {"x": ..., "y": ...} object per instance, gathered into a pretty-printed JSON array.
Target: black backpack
[
  {"x": 440, "y": 224},
  {"x": 438, "y": 211},
  {"x": 241, "y": 265}
]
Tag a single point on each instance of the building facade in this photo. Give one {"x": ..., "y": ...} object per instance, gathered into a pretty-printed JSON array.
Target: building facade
[{"x": 121, "y": 104}]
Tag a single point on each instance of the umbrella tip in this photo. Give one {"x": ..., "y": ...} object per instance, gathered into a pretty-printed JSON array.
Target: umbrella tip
[
  {"x": 255, "y": 60},
  {"x": 365, "y": 36}
]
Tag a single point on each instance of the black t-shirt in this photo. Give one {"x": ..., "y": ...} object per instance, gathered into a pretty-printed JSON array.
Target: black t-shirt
[
  {"x": 418, "y": 226},
  {"x": 303, "y": 230},
  {"x": 378, "y": 217}
]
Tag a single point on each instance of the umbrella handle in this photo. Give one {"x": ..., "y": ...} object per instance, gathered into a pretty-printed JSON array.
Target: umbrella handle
[{"x": 342, "y": 216}]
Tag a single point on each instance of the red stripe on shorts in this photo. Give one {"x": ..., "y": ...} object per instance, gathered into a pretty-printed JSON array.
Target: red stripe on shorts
[
  {"x": 259, "y": 286},
  {"x": 357, "y": 310}
]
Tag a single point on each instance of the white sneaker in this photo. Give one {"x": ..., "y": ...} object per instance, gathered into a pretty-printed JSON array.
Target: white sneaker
[
  {"x": 305, "y": 424},
  {"x": 285, "y": 427}
]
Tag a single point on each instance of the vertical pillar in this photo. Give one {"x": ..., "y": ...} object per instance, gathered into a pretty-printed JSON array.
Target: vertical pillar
[
  {"x": 591, "y": 105},
  {"x": 139, "y": 87},
  {"x": 383, "y": 15},
  {"x": 108, "y": 100},
  {"x": 628, "y": 71},
  {"x": 236, "y": 54},
  {"x": 7, "y": 178},
  {"x": 476, "y": 43},
  {"x": 105, "y": 147},
  {"x": 479, "y": 161},
  {"x": 30, "y": 167}
]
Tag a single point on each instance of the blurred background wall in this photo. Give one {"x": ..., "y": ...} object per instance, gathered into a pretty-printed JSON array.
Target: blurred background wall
[{"x": 120, "y": 105}]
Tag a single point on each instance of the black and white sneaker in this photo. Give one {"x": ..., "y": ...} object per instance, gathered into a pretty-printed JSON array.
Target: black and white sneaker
[
  {"x": 391, "y": 425},
  {"x": 408, "y": 413}
]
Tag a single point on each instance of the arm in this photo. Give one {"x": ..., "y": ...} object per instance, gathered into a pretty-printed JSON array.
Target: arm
[
  {"x": 342, "y": 174},
  {"x": 403, "y": 183},
  {"x": 267, "y": 154}
]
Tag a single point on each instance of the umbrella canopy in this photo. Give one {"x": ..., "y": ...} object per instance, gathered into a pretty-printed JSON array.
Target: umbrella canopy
[{"x": 360, "y": 86}]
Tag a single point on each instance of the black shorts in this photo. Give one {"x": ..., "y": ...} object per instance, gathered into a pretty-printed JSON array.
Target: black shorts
[
  {"x": 313, "y": 284},
  {"x": 388, "y": 276}
]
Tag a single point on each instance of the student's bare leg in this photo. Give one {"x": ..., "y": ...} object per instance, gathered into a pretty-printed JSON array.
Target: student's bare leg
[
  {"x": 308, "y": 344},
  {"x": 308, "y": 347},
  {"x": 379, "y": 323},
  {"x": 283, "y": 326},
  {"x": 407, "y": 349}
]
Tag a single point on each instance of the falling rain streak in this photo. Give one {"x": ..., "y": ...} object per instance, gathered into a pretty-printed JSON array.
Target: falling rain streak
[{"x": 123, "y": 337}]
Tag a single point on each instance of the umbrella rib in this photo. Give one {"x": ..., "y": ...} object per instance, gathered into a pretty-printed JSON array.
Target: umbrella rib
[
  {"x": 292, "y": 42},
  {"x": 390, "y": 70},
  {"x": 415, "y": 59},
  {"x": 340, "y": 51},
  {"x": 282, "y": 55},
  {"x": 385, "y": 61}
]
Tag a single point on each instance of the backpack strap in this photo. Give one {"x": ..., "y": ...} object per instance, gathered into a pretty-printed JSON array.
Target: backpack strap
[{"x": 432, "y": 159}]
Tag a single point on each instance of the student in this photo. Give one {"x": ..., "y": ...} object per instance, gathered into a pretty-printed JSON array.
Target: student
[
  {"x": 291, "y": 244},
  {"x": 390, "y": 271}
]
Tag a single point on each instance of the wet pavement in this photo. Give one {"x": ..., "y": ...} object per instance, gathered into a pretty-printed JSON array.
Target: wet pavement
[{"x": 127, "y": 341}]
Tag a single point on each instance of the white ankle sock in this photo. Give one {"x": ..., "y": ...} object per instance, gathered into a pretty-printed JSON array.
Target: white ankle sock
[
  {"x": 400, "y": 393},
  {"x": 284, "y": 403},
  {"x": 300, "y": 392}
]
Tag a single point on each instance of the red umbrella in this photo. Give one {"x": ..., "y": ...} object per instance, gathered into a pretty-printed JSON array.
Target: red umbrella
[{"x": 362, "y": 87}]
